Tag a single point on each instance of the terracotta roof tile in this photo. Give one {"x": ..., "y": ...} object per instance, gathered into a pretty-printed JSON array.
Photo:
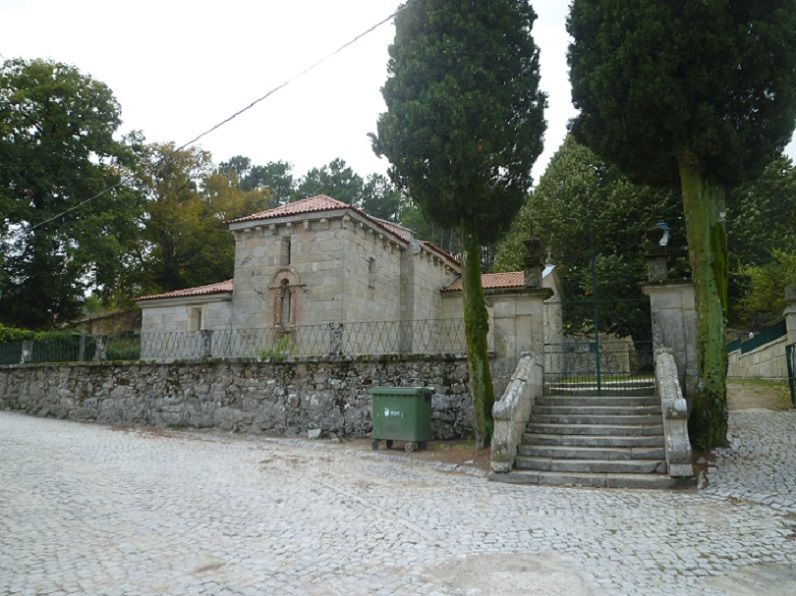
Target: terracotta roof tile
[
  {"x": 308, "y": 205},
  {"x": 492, "y": 281},
  {"x": 442, "y": 252},
  {"x": 223, "y": 287},
  {"x": 321, "y": 203},
  {"x": 399, "y": 231}
]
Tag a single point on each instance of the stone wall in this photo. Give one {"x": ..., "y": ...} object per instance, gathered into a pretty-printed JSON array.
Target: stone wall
[
  {"x": 162, "y": 316},
  {"x": 285, "y": 398},
  {"x": 766, "y": 362}
]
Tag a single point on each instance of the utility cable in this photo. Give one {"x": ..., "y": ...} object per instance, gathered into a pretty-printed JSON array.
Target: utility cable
[{"x": 215, "y": 127}]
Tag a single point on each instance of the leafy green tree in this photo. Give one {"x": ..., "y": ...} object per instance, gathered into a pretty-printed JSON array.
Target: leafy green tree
[
  {"x": 380, "y": 198},
  {"x": 412, "y": 217},
  {"x": 275, "y": 176},
  {"x": 462, "y": 130},
  {"x": 760, "y": 219},
  {"x": 765, "y": 299},
  {"x": 336, "y": 179},
  {"x": 583, "y": 206},
  {"x": 184, "y": 240},
  {"x": 60, "y": 234},
  {"x": 696, "y": 94}
]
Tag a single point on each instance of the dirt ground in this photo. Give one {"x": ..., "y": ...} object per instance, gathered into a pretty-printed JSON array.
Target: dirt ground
[
  {"x": 450, "y": 452},
  {"x": 745, "y": 394}
]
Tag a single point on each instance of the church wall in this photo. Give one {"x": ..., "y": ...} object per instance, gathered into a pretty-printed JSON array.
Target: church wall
[
  {"x": 430, "y": 274},
  {"x": 315, "y": 269},
  {"x": 215, "y": 314},
  {"x": 372, "y": 270}
]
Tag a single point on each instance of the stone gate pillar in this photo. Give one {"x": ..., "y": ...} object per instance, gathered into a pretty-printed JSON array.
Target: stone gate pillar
[
  {"x": 673, "y": 310},
  {"x": 518, "y": 317},
  {"x": 790, "y": 313}
]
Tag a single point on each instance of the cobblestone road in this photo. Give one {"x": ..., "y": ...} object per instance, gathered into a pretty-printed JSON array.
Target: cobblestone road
[{"x": 91, "y": 509}]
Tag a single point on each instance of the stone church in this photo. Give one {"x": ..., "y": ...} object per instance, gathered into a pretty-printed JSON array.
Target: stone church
[{"x": 320, "y": 261}]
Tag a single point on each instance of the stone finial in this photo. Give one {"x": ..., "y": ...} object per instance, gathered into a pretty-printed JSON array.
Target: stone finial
[
  {"x": 657, "y": 255},
  {"x": 790, "y": 295},
  {"x": 533, "y": 262}
]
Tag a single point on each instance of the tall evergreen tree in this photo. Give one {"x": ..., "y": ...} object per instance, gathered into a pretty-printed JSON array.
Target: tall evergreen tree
[
  {"x": 696, "y": 94},
  {"x": 463, "y": 127}
]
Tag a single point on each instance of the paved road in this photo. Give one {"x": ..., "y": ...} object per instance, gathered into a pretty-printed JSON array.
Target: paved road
[{"x": 90, "y": 509}]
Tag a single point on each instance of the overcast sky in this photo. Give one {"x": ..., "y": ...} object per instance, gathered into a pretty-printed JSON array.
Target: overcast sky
[{"x": 179, "y": 66}]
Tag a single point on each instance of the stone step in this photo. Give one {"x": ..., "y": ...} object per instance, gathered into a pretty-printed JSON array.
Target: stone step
[
  {"x": 593, "y": 440},
  {"x": 606, "y": 466},
  {"x": 592, "y": 452},
  {"x": 591, "y": 391},
  {"x": 595, "y": 429},
  {"x": 576, "y": 400},
  {"x": 597, "y": 410},
  {"x": 644, "y": 419},
  {"x": 583, "y": 479}
]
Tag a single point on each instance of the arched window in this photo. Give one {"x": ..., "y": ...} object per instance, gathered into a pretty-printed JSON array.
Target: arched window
[
  {"x": 284, "y": 303},
  {"x": 285, "y": 292}
]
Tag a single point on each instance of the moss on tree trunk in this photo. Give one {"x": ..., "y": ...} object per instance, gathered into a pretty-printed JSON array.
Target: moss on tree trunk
[
  {"x": 703, "y": 202},
  {"x": 476, "y": 326}
]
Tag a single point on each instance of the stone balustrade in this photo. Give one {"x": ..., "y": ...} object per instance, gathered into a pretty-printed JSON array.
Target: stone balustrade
[
  {"x": 512, "y": 411},
  {"x": 675, "y": 415}
]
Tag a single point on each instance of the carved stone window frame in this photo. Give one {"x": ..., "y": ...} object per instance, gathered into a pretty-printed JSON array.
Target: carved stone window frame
[{"x": 286, "y": 278}]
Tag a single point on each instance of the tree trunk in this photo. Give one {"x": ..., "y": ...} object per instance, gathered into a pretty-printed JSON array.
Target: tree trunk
[
  {"x": 703, "y": 203},
  {"x": 476, "y": 326}
]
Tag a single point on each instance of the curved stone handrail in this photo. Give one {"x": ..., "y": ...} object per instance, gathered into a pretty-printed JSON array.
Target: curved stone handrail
[
  {"x": 675, "y": 415},
  {"x": 512, "y": 411}
]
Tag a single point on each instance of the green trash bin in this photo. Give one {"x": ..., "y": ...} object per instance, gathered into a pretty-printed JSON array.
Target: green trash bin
[{"x": 401, "y": 414}]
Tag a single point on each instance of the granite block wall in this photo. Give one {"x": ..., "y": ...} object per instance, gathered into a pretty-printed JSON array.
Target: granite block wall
[{"x": 281, "y": 398}]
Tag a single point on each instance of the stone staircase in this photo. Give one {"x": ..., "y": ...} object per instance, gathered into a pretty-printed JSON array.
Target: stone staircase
[{"x": 577, "y": 437}]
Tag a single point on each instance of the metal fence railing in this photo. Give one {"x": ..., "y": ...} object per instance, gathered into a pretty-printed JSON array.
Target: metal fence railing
[
  {"x": 343, "y": 338},
  {"x": 790, "y": 356},
  {"x": 71, "y": 348},
  {"x": 604, "y": 368},
  {"x": 765, "y": 336}
]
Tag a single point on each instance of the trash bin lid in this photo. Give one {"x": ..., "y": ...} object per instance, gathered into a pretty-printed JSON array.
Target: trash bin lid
[{"x": 401, "y": 391}]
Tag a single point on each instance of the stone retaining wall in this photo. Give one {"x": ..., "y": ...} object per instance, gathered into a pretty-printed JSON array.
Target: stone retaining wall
[
  {"x": 285, "y": 398},
  {"x": 765, "y": 362}
]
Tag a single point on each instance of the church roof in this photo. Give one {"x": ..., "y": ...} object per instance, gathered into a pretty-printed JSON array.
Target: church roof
[
  {"x": 494, "y": 281},
  {"x": 441, "y": 252},
  {"x": 308, "y": 205},
  {"x": 318, "y": 204},
  {"x": 223, "y": 287}
]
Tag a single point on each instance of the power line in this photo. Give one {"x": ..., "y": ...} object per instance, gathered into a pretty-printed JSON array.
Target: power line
[
  {"x": 295, "y": 77},
  {"x": 215, "y": 127}
]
